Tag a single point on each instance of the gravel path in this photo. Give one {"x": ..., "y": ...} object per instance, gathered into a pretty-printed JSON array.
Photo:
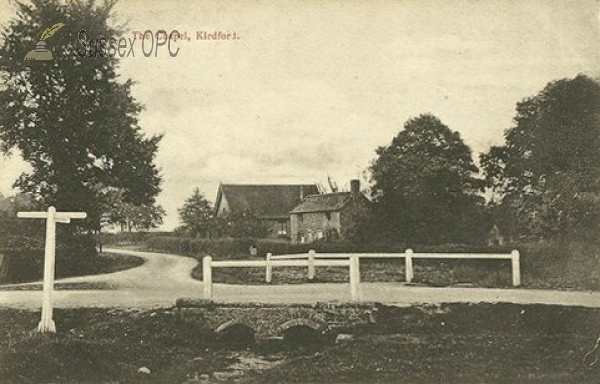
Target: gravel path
[{"x": 163, "y": 278}]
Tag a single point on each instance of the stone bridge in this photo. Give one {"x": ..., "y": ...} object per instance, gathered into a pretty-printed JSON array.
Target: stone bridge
[{"x": 273, "y": 320}]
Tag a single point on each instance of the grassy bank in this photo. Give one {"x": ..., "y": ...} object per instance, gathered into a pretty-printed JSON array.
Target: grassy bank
[
  {"x": 103, "y": 263},
  {"x": 451, "y": 344}
]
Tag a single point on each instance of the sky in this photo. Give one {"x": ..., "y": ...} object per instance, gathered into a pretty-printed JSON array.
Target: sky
[{"x": 311, "y": 88}]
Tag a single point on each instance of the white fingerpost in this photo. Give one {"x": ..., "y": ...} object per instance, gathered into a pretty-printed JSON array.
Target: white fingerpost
[
  {"x": 207, "y": 277},
  {"x": 311, "y": 264},
  {"x": 408, "y": 265},
  {"x": 354, "y": 278},
  {"x": 269, "y": 272},
  {"x": 52, "y": 217},
  {"x": 516, "y": 268}
]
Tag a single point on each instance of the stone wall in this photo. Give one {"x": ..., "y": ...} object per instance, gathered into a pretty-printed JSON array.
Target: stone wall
[{"x": 273, "y": 320}]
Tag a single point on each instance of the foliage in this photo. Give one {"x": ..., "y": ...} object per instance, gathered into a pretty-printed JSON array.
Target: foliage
[
  {"x": 424, "y": 186},
  {"x": 196, "y": 214},
  {"x": 239, "y": 247},
  {"x": 546, "y": 177},
  {"x": 140, "y": 217},
  {"x": 19, "y": 233},
  {"x": 75, "y": 255},
  {"x": 245, "y": 223},
  {"x": 218, "y": 248},
  {"x": 198, "y": 219},
  {"x": 70, "y": 118}
]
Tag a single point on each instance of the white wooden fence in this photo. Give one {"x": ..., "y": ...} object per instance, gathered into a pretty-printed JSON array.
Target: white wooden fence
[{"x": 311, "y": 260}]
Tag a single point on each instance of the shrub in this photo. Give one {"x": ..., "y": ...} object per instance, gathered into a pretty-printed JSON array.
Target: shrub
[
  {"x": 127, "y": 238},
  {"x": 73, "y": 256},
  {"x": 218, "y": 248}
]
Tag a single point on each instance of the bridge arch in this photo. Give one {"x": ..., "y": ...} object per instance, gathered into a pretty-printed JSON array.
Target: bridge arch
[
  {"x": 236, "y": 333},
  {"x": 301, "y": 322},
  {"x": 233, "y": 323}
]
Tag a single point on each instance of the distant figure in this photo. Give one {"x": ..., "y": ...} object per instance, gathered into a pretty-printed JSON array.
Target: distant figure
[{"x": 494, "y": 237}]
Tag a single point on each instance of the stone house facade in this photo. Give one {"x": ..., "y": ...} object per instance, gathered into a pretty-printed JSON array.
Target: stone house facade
[{"x": 328, "y": 215}]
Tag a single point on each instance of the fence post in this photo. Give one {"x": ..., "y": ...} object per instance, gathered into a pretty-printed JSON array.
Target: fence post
[
  {"x": 269, "y": 273},
  {"x": 3, "y": 267},
  {"x": 311, "y": 264},
  {"x": 207, "y": 277},
  {"x": 516, "y": 268},
  {"x": 408, "y": 265},
  {"x": 354, "y": 278}
]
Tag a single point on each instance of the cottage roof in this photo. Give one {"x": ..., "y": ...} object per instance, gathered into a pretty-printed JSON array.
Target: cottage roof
[
  {"x": 327, "y": 202},
  {"x": 267, "y": 200}
]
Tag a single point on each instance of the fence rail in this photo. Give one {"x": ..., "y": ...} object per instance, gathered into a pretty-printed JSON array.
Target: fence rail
[{"x": 311, "y": 260}]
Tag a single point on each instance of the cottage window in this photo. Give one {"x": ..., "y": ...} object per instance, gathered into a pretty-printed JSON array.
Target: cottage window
[
  {"x": 328, "y": 215},
  {"x": 300, "y": 217},
  {"x": 282, "y": 228}
]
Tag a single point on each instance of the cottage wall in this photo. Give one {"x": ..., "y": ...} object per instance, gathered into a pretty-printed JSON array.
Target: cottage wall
[
  {"x": 223, "y": 208},
  {"x": 305, "y": 224}
]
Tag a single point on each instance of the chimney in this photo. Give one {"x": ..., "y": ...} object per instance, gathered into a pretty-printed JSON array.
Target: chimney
[
  {"x": 355, "y": 188},
  {"x": 301, "y": 192}
]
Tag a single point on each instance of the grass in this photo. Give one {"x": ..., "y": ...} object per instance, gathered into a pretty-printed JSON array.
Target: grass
[
  {"x": 60, "y": 286},
  {"x": 459, "y": 343},
  {"x": 441, "y": 359}
]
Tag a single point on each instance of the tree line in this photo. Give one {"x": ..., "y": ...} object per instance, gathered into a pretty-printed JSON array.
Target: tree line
[{"x": 542, "y": 182}]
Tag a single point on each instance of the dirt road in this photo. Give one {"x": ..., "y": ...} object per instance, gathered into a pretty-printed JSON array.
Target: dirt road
[{"x": 163, "y": 278}]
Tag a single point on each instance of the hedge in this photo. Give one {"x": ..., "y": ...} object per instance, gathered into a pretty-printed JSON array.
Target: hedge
[
  {"x": 127, "y": 238},
  {"x": 27, "y": 264},
  {"x": 239, "y": 248},
  {"x": 278, "y": 248},
  {"x": 219, "y": 248}
]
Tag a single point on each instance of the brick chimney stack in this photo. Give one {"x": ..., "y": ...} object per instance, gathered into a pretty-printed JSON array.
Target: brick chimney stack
[{"x": 355, "y": 188}]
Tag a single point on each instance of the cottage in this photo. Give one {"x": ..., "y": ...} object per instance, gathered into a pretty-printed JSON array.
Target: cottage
[
  {"x": 271, "y": 203},
  {"x": 328, "y": 215}
]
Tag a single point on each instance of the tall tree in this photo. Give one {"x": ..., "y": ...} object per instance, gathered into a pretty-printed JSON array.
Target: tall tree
[
  {"x": 547, "y": 174},
  {"x": 424, "y": 185},
  {"x": 196, "y": 214},
  {"x": 70, "y": 118},
  {"x": 128, "y": 216}
]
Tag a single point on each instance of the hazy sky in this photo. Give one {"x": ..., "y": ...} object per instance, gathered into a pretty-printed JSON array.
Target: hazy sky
[{"x": 312, "y": 88}]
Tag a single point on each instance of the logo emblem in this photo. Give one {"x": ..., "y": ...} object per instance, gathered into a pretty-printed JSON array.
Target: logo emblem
[{"x": 40, "y": 53}]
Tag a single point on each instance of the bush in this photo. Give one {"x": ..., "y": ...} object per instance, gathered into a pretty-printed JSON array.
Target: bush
[
  {"x": 217, "y": 248},
  {"x": 555, "y": 264},
  {"x": 127, "y": 238},
  {"x": 73, "y": 257},
  {"x": 239, "y": 247}
]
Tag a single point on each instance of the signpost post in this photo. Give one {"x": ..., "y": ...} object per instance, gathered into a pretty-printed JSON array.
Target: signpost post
[{"x": 52, "y": 217}]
